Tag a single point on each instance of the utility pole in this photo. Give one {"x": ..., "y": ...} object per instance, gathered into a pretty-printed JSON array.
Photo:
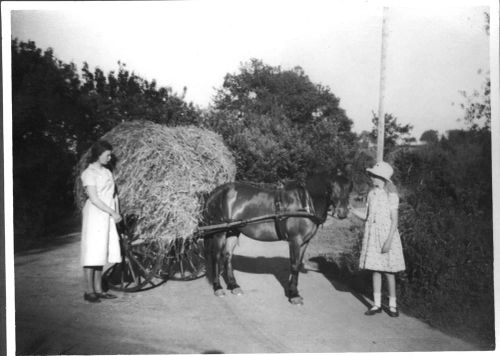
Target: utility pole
[{"x": 381, "y": 112}]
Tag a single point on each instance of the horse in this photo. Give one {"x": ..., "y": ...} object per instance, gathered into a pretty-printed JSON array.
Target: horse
[{"x": 292, "y": 213}]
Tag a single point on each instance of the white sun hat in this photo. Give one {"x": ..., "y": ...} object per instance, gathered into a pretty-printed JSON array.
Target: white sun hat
[{"x": 382, "y": 169}]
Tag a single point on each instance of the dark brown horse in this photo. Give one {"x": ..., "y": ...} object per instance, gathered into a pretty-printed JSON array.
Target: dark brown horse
[{"x": 249, "y": 209}]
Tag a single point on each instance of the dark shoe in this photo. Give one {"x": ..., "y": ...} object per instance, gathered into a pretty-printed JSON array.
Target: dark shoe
[
  {"x": 393, "y": 314},
  {"x": 373, "y": 311},
  {"x": 103, "y": 295},
  {"x": 91, "y": 297}
]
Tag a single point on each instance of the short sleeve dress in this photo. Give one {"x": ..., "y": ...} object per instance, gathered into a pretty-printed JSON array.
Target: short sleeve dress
[
  {"x": 377, "y": 228},
  {"x": 100, "y": 241}
]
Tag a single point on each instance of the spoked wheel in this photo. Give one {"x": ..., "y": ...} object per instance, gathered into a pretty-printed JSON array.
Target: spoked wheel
[
  {"x": 140, "y": 266},
  {"x": 185, "y": 260}
]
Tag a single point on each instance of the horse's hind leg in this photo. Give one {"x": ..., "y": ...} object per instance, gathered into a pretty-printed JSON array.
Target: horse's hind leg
[
  {"x": 217, "y": 252},
  {"x": 231, "y": 242}
]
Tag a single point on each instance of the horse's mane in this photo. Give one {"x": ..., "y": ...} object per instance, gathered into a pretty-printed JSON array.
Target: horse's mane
[
  {"x": 318, "y": 186},
  {"x": 319, "y": 189}
]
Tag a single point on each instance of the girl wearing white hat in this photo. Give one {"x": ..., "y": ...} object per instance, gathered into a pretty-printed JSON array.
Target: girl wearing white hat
[{"x": 381, "y": 251}]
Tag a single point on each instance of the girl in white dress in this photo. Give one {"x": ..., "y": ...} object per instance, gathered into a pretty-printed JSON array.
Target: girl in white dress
[
  {"x": 381, "y": 250},
  {"x": 100, "y": 240}
]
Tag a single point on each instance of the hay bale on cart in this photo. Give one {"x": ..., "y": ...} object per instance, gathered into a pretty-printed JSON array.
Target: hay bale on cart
[{"x": 161, "y": 174}]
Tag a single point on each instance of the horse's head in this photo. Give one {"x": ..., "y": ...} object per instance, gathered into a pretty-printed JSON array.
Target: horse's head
[{"x": 341, "y": 187}]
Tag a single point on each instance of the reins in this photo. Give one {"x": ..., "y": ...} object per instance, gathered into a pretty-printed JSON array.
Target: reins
[
  {"x": 279, "y": 217},
  {"x": 243, "y": 222}
]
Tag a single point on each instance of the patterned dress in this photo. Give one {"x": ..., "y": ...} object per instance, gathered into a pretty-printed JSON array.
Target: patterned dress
[
  {"x": 378, "y": 224},
  {"x": 100, "y": 240}
]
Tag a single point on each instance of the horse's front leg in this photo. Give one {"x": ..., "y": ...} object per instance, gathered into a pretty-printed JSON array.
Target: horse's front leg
[
  {"x": 217, "y": 252},
  {"x": 303, "y": 248},
  {"x": 295, "y": 263},
  {"x": 231, "y": 242}
]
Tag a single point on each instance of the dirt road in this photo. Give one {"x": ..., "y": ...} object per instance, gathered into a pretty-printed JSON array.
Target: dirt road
[{"x": 185, "y": 317}]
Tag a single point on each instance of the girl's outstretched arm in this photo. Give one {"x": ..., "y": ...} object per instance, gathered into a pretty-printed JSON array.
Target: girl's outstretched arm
[{"x": 360, "y": 213}]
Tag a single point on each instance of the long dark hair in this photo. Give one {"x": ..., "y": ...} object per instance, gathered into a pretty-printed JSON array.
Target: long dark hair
[{"x": 97, "y": 149}]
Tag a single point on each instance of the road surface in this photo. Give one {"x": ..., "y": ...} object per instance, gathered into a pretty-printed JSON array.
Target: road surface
[{"x": 185, "y": 317}]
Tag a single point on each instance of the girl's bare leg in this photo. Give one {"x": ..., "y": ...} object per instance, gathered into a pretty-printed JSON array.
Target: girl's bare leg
[
  {"x": 98, "y": 279},
  {"x": 89, "y": 279},
  {"x": 377, "y": 289},
  {"x": 391, "y": 282}
]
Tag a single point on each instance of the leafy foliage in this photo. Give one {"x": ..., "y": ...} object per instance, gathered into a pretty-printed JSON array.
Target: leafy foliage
[
  {"x": 44, "y": 93},
  {"x": 446, "y": 223},
  {"x": 430, "y": 136},
  {"x": 395, "y": 133},
  {"x": 107, "y": 100},
  {"x": 279, "y": 124},
  {"x": 477, "y": 107},
  {"x": 57, "y": 115}
]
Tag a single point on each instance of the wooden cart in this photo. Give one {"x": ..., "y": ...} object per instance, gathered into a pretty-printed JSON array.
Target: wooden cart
[{"x": 149, "y": 263}]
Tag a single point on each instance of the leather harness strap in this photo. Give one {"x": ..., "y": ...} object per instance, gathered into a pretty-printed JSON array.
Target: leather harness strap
[
  {"x": 279, "y": 220},
  {"x": 281, "y": 216}
]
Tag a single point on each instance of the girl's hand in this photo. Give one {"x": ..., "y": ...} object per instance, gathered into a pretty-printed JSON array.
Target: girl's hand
[
  {"x": 116, "y": 217},
  {"x": 387, "y": 246}
]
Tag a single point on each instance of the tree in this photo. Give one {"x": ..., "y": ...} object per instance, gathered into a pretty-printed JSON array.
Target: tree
[
  {"x": 477, "y": 106},
  {"x": 57, "y": 116},
  {"x": 395, "y": 133},
  {"x": 44, "y": 93},
  {"x": 279, "y": 124},
  {"x": 430, "y": 136},
  {"x": 263, "y": 89},
  {"x": 110, "y": 99}
]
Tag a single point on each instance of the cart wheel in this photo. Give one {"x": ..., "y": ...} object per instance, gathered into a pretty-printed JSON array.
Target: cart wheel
[
  {"x": 141, "y": 262},
  {"x": 185, "y": 260}
]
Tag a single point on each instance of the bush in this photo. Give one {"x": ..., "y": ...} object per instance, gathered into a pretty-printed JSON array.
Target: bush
[
  {"x": 42, "y": 191},
  {"x": 445, "y": 221},
  {"x": 446, "y": 227}
]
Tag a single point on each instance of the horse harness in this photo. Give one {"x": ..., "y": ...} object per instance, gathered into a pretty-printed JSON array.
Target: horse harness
[{"x": 282, "y": 214}]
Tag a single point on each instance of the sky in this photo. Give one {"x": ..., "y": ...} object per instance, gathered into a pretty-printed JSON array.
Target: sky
[{"x": 433, "y": 51}]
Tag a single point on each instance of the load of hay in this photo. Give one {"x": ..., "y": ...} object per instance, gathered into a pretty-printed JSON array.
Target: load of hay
[{"x": 161, "y": 174}]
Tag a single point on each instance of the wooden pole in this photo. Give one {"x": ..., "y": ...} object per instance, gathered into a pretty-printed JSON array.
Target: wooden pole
[{"x": 381, "y": 112}]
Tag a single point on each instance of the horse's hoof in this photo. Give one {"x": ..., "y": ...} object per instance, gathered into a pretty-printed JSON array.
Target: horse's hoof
[
  {"x": 219, "y": 293},
  {"x": 237, "y": 291},
  {"x": 297, "y": 301}
]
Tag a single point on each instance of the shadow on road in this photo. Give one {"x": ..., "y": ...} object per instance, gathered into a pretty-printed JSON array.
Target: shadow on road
[
  {"x": 44, "y": 244},
  {"x": 277, "y": 266},
  {"x": 212, "y": 352},
  {"x": 358, "y": 284}
]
